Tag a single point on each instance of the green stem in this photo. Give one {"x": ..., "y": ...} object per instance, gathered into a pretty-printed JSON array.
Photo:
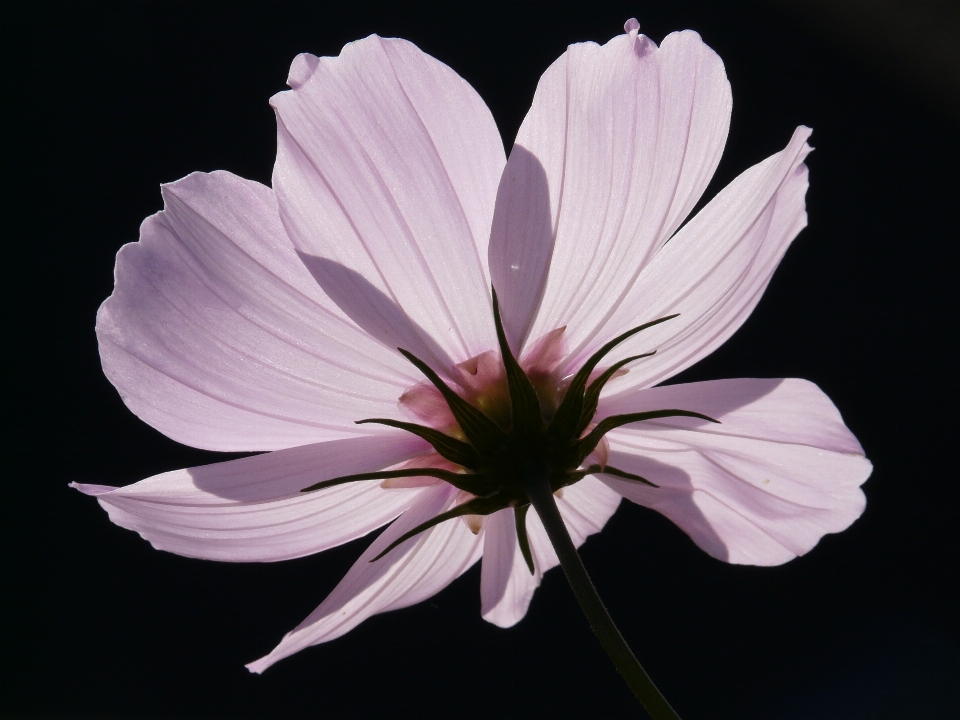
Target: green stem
[{"x": 541, "y": 497}]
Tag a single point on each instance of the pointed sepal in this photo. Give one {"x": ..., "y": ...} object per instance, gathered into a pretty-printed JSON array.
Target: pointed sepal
[
  {"x": 472, "y": 483},
  {"x": 567, "y": 418},
  {"x": 452, "y": 449},
  {"x": 616, "y": 472},
  {"x": 477, "y": 506},
  {"x": 589, "y": 441},
  {"x": 520, "y": 520},
  {"x": 525, "y": 405},
  {"x": 482, "y": 432},
  {"x": 592, "y": 395}
]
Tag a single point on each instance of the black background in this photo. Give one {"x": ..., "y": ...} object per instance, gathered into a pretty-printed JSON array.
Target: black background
[{"x": 103, "y": 102}]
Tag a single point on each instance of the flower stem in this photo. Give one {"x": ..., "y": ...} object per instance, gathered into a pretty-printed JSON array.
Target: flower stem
[{"x": 541, "y": 497}]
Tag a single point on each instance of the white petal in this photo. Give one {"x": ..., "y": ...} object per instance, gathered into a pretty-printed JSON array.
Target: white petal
[
  {"x": 762, "y": 487},
  {"x": 415, "y": 570},
  {"x": 252, "y": 509},
  {"x": 617, "y": 148},
  {"x": 713, "y": 271},
  {"x": 217, "y": 335},
  {"x": 506, "y": 585},
  {"x": 386, "y": 174}
]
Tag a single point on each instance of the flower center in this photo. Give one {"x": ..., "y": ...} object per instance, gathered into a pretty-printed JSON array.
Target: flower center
[
  {"x": 510, "y": 422},
  {"x": 506, "y": 453}
]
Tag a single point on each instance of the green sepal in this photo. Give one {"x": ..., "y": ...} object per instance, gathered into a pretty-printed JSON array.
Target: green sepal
[
  {"x": 454, "y": 450},
  {"x": 616, "y": 472},
  {"x": 524, "y": 402},
  {"x": 589, "y": 442},
  {"x": 482, "y": 432},
  {"x": 520, "y": 519},
  {"x": 574, "y": 476},
  {"x": 477, "y": 506},
  {"x": 568, "y": 415},
  {"x": 592, "y": 395},
  {"x": 458, "y": 480},
  {"x": 578, "y": 475}
]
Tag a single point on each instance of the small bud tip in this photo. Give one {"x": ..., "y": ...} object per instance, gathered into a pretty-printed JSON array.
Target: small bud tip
[{"x": 631, "y": 26}]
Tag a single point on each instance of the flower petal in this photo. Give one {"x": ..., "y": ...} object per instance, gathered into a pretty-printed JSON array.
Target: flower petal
[
  {"x": 780, "y": 471},
  {"x": 386, "y": 174},
  {"x": 217, "y": 335},
  {"x": 618, "y": 146},
  {"x": 506, "y": 585},
  {"x": 413, "y": 571},
  {"x": 252, "y": 509},
  {"x": 714, "y": 270},
  {"x": 585, "y": 508}
]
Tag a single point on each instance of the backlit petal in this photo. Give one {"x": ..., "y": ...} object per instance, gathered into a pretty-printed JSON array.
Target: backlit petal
[
  {"x": 506, "y": 585},
  {"x": 386, "y": 175},
  {"x": 762, "y": 487},
  {"x": 714, "y": 270},
  {"x": 618, "y": 146},
  {"x": 252, "y": 509},
  {"x": 217, "y": 335},
  {"x": 410, "y": 573},
  {"x": 585, "y": 508}
]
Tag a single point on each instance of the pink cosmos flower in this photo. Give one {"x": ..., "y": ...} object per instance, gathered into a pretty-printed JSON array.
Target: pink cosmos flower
[{"x": 255, "y": 319}]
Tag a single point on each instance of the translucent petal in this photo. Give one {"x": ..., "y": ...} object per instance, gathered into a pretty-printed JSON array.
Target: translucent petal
[
  {"x": 408, "y": 574},
  {"x": 217, "y": 335},
  {"x": 780, "y": 471},
  {"x": 252, "y": 509},
  {"x": 506, "y": 585},
  {"x": 386, "y": 174},
  {"x": 713, "y": 271},
  {"x": 618, "y": 146}
]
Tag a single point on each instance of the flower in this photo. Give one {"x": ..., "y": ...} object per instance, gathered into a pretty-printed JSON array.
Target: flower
[{"x": 258, "y": 319}]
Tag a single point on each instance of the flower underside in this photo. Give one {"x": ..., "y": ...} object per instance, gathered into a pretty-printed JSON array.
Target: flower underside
[{"x": 532, "y": 439}]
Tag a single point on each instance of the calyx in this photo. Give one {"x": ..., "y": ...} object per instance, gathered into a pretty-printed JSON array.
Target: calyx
[{"x": 495, "y": 458}]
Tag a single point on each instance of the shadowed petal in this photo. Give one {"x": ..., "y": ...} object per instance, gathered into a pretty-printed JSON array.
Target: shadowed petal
[
  {"x": 217, "y": 335},
  {"x": 618, "y": 146},
  {"x": 780, "y": 471},
  {"x": 252, "y": 509},
  {"x": 714, "y": 270},
  {"x": 787, "y": 410},
  {"x": 585, "y": 508},
  {"x": 413, "y": 571},
  {"x": 387, "y": 166},
  {"x": 506, "y": 585}
]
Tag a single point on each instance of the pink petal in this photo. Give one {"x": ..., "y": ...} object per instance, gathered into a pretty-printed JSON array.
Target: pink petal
[
  {"x": 585, "y": 508},
  {"x": 408, "y": 574},
  {"x": 506, "y": 585},
  {"x": 481, "y": 373},
  {"x": 252, "y": 509},
  {"x": 775, "y": 409},
  {"x": 545, "y": 354},
  {"x": 714, "y": 270},
  {"x": 617, "y": 148},
  {"x": 217, "y": 335},
  {"x": 424, "y": 403},
  {"x": 386, "y": 175},
  {"x": 762, "y": 487},
  {"x": 428, "y": 460}
]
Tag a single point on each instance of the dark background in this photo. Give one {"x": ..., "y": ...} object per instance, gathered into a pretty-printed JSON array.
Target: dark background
[{"x": 102, "y": 102}]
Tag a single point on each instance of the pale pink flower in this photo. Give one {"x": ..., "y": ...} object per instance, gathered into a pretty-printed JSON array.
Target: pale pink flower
[{"x": 256, "y": 319}]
